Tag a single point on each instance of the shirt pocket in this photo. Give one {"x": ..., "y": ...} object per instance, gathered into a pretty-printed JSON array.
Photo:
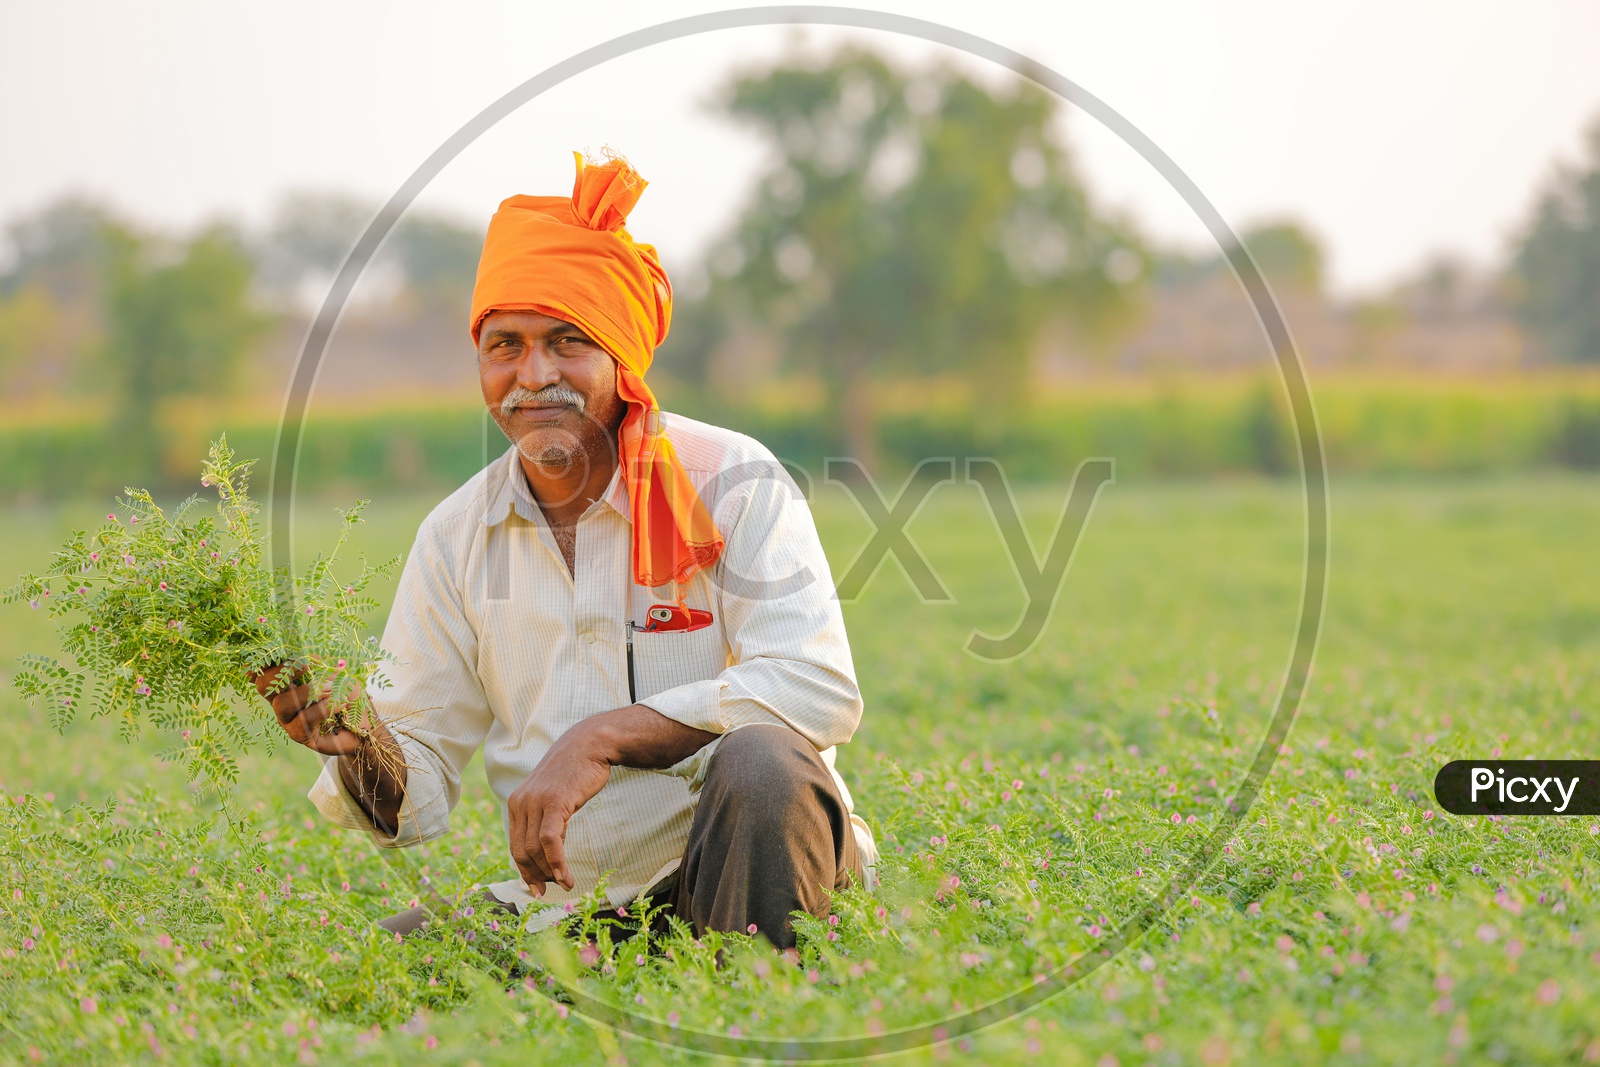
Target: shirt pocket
[{"x": 666, "y": 659}]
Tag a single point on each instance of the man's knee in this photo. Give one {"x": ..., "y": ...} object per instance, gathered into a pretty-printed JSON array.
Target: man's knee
[{"x": 771, "y": 764}]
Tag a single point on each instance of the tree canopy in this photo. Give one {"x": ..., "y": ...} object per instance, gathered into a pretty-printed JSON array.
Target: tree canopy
[
  {"x": 910, "y": 224},
  {"x": 1557, "y": 263}
]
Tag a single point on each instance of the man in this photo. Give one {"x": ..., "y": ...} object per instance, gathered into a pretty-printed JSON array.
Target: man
[{"x": 630, "y": 613}]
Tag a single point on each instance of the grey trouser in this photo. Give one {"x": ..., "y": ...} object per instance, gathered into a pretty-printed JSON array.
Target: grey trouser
[{"x": 770, "y": 836}]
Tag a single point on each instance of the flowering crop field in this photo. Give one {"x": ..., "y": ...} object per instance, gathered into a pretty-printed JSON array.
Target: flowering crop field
[{"x": 1024, "y": 811}]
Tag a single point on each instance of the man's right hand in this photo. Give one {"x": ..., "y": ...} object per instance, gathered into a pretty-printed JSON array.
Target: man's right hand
[
  {"x": 372, "y": 768},
  {"x": 303, "y": 718}
]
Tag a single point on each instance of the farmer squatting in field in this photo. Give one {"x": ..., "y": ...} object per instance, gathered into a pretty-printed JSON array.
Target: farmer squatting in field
[{"x": 694, "y": 767}]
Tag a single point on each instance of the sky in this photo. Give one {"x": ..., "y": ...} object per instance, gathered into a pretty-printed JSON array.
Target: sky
[{"x": 1395, "y": 132}]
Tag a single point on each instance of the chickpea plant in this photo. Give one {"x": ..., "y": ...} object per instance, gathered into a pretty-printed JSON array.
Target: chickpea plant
[{"x": 169, "y": 615}]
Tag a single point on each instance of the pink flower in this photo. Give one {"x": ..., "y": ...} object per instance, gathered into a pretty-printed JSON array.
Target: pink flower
[
  {"x": 27, "y": 944},
  {"x": 751, "y": 928},
  {"x": 82, "y": 589},
  {"x": 343, "y": 664},
  {"x": 311, "y": 609},
  {"x": 112, "y": 516},
  {"x": 165, "y": 941},
  {"x": 1176, "y": 819},
  {"x": 162, "y": 585},
  {"x": 589, "y": 955},
  {"x": 94, "y": 557},
  {"x": 128, "y": 559},
  {"x": 431, "y": 1042},
  {"x": 261, "y": 618},
  {"x": 1549, "y": 991},
  {"x": 90, "y": 1007}
]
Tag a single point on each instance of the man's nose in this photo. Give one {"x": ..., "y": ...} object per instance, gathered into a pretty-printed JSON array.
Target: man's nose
[{"x": 537, "y": 368}]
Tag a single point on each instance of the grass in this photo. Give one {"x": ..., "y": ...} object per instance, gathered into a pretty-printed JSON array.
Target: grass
[{"x": 1023, "y": 810}]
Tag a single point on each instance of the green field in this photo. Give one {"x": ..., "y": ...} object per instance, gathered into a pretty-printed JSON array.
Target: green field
[{"x": 1023, "y": 809}]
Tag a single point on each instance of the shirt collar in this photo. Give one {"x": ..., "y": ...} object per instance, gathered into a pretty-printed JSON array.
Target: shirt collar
[{"x": 510, "y": 492}]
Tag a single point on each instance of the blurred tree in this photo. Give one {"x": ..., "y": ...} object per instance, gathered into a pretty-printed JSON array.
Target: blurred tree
[
  {"x": 65, "y": 246},
  {"x": 52, "y": 292},
  {"x": 180, "y": 321},
  {"x": 1287, "y": 254},
  {"x": 438, "y": 257},
  {"x": 912, "y": 225},
  {"x": 307, "y": 239},
  {"x": 1556, "y": 269},
  {"x": 432, "y": 258}
]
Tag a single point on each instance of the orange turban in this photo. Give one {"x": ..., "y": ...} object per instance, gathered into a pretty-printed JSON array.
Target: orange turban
[{"x": 571, "y": 259}]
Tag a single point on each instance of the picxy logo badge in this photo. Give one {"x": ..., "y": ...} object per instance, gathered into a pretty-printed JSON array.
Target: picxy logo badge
[{"x": 1519, "y": 787}]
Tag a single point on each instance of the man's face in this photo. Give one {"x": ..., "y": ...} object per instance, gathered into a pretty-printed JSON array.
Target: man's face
[{"x": 551, "y": 388}]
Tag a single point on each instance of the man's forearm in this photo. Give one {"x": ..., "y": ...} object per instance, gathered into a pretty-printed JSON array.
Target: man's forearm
[
  {"x": 640, "y": 736},
  {"x": 376, "y": 776}
]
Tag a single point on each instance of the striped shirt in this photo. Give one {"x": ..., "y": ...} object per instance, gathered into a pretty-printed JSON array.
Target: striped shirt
[{"x": 497, "y": 645}]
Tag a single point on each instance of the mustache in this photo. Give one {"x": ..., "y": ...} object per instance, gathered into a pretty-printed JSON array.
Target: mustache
[{"x": 550, "y": 395}]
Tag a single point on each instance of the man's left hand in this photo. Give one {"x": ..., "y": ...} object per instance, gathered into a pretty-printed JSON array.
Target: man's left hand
[
  {"x": 571, "y": 773},
  {"x": 577, "y": 767}
]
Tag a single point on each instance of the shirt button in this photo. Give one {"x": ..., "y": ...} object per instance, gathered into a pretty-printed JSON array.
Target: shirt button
[{"x": 588, "y": 637}]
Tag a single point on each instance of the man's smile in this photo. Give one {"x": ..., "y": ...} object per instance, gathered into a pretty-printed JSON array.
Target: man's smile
[{"x": 544, "y": 412}]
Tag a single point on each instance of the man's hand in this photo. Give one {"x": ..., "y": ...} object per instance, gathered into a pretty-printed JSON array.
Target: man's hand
[
  {"x": 303, "y": 719},
  {"x": 571, "y": 773},
  {"x": 577, "y": 767},
  {"x": 372, "y": 767}
]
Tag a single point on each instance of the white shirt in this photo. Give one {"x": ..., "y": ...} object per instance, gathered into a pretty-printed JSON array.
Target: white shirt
[{"x": 497, "y": 644}]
